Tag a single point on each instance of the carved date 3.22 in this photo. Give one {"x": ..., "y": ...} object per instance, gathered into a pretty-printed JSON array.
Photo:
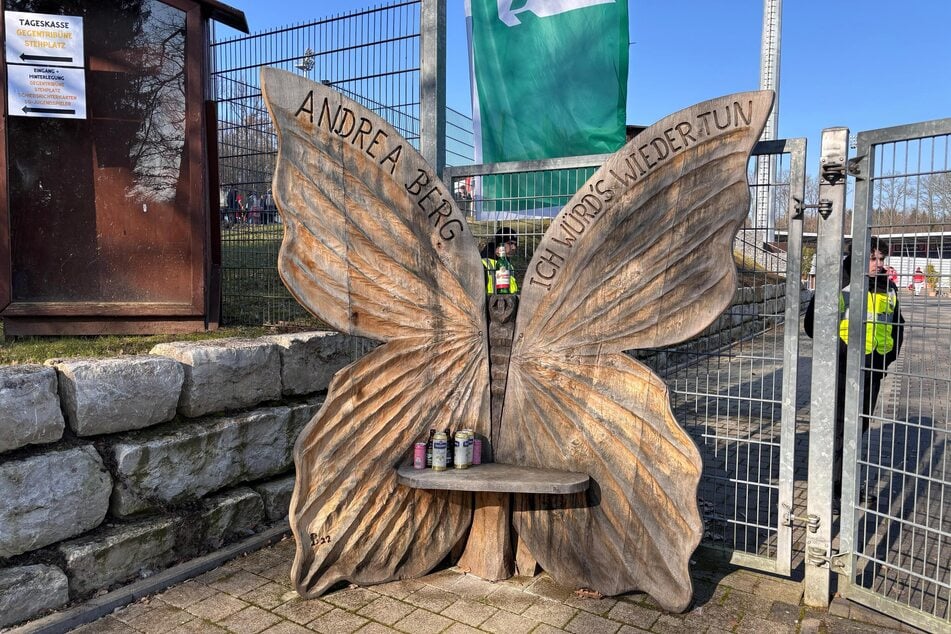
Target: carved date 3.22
[{"x": 318, "y": 540}]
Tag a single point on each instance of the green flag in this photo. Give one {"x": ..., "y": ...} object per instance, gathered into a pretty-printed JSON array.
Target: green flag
[{"x": 550, "y": 77}]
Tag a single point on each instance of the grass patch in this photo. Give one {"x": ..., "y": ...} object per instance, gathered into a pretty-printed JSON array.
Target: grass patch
[
  {"x": 251, "y": 290},
  {"x": 39, "y": 349}
]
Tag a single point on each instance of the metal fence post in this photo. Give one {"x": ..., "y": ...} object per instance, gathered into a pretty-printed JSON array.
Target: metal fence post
[
  {"x": 787, "y": 461},
  {"x": 832, "y": 186},
  {"x": 432, "y": 83},
  {"x": 854, "y": 391}
]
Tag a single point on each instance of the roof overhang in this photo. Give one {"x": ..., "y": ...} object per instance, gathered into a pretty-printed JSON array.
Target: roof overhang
[{"x": 227, "y": 15}]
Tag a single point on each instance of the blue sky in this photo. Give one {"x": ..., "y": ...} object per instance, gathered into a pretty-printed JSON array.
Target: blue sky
[{"x": 863, "y": 64}]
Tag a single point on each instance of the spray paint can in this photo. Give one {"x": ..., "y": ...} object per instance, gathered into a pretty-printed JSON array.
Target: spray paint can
[
  {"x": 440, "y": 450},
  {"x": 460, "y": 456},
  {"x": 476, "y": 451},
  {"x": 470, "y": 438},
  {"x": 419, "y": 455}
]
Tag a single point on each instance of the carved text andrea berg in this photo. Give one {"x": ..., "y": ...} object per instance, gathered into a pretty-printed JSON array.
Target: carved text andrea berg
[
  {"x": 343, "y": 122},
  {"x": 430, "y": 195}
]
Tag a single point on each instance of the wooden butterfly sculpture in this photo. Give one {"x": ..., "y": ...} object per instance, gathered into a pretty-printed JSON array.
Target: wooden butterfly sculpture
[{"x": 641, "y": 257}]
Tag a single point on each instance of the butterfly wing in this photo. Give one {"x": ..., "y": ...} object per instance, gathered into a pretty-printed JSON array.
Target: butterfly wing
[
  {"x": 640, "y": 257},
  {"x": 375, "y": 246}
]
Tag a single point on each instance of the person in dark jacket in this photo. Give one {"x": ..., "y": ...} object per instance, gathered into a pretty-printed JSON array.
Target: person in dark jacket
[{"x": 884, "y": 334}]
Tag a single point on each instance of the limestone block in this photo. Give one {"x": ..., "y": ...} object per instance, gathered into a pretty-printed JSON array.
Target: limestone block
[
  {"x": 736, "y": 333},
  {"x": 235, "y": 513},
  {"x": 186, "y": 463},
  {"x": 276, "y": 495},
  {"x": 302, "y": 412},
  {"x": 29, "y": 406},
  {"x": 50, "y": 497},
  {"x": 309, "y": 360},
  {"x": 225, "y": 374},
  {"x": 118, "y": 553},
  {"x": 103, "y": 396},
  {"x": 26, "y": 592},
  {"x": 750, "y": 328}
]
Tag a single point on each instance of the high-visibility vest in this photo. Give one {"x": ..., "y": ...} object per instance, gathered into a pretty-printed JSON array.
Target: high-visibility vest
[
  {"x": 492, "y": 265},
  {"x": 879, "y": 320}
]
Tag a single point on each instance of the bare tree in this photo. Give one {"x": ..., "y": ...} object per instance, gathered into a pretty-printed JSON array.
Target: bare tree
[
  {"x": 247, "y": 143},
  {"x": 936, "y": 195},
  {"x": 889, "y": 197}
]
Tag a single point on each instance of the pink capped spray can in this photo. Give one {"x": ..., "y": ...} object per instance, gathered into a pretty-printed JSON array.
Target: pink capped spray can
[{"x": 419, "y": 455}]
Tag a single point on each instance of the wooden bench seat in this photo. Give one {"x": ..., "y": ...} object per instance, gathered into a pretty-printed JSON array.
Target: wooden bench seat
[
  {"x": 495, "y": 477},
  {"x": 489, "y": 550}
]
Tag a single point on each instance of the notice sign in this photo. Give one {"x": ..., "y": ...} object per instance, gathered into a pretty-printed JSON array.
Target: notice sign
[
  {"x": 45, "y": 66},
  {"x": 37, "y": 38},
  {"x": 46, "y": 91}
]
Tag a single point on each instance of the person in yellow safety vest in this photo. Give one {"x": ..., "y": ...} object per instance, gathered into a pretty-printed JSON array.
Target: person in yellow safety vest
[
  {"x": 884, "y": 333},
  {"x": 505, "y": 237}
]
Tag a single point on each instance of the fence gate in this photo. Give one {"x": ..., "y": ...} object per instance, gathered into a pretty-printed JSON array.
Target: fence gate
[
  {"x": 733, "y": 387},
  {"x": 896, "y": 521}
]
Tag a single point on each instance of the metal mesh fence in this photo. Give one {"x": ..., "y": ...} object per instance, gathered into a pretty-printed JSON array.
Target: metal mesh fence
[
  {"x": 372, "y": 56},
  {"x": 460, "y": 143},
  {"x": 899, "y": 525},
  {"x": 524, "y": 202}
]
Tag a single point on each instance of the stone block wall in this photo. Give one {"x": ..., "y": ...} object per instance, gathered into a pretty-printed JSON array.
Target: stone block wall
[{"x": 114, "y": 469}]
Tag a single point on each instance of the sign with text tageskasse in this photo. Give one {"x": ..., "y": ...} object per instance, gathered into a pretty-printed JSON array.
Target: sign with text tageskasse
[{"x": 45, "y": 70}]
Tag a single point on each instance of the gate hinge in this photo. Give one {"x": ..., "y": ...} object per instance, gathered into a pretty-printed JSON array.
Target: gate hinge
[
  {"x": 832, "y": 170},
  {"x": 810, "y": 521},
  {"x": 816, "y": 555}
]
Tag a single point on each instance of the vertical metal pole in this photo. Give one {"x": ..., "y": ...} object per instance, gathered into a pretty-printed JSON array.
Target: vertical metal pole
[
  {"x": 861, "y": 221},
  {"x": 432, "y": 83},
  {"x": 832, "y": 185},
  {"x": 787, "y": 443},
  {"x": 769, "y": 60},
  {"x": 768, "y": 80}
]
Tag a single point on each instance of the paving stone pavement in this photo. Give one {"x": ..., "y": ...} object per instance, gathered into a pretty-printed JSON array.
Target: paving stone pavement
[{"x": 253, "y": 594}]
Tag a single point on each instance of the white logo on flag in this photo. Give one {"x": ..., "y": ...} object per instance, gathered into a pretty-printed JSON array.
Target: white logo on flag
[{"x": 543, "y": 8}]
